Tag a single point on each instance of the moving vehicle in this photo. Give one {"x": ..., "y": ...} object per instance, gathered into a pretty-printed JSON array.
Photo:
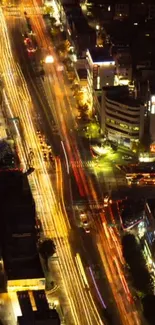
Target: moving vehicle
[
  {"x": 106, "y": 199},
  {"x": 30, "y": 45},
  {"x": 84, "y": 222},
  {"x": 127, "y": 157}
]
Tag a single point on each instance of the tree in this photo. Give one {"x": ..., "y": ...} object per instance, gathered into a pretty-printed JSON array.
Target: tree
[
  {"x": 83, "y": 108},
  {"x": 55, "y": 32},
  {"x": 48, "y": 10},
  {"x": 47, "y": 249},
  {"x": 63, "y": 47},
  {"x": 52, "y": 21},
  {"x": 142, "y": 279}
]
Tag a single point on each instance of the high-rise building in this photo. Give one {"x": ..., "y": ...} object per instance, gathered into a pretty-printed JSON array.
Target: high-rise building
[
  {"x": 122, "y": 117},
  {"x": 18, "y": 235},
  {"x": 35, "y": 309},
  {"x": 101, "y": 66}
]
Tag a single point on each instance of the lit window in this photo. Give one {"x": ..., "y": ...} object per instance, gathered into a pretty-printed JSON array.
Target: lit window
[{"x": 136, "y": 128}]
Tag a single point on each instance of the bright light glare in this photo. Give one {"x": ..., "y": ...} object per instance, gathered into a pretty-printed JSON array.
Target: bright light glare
[
  {"x": 49, "y": 59},
  {"x": 101, "y": 150},
  {"x": 56, "y": 303},
  {"x": 60, "y": 68}
]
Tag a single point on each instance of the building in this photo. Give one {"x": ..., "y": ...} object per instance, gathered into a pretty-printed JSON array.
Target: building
[
  {"x": 122, "y": 117},
  {"x": 18, "y": 234},
  {"x": 79, "y": 33},
  {"x": 101, "y": 66},
  {"x": 123, "y": 66},
  {"x": 121, "y": 10},
  {"x": 35, "y": 309},
  {"x": 132, "y": 212},
  {"x": 142, "y": 173},
  {"x": 134, "y": 10}
]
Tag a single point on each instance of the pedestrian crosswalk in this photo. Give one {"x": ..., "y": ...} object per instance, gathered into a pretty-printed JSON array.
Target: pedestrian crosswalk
[{"x": 82, "y": 163}]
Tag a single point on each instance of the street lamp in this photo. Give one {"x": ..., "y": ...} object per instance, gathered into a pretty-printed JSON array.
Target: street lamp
[{"x": 97, "y": 27}]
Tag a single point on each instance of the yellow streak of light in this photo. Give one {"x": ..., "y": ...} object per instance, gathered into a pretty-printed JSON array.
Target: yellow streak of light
[{"x": 53, "y": 213}]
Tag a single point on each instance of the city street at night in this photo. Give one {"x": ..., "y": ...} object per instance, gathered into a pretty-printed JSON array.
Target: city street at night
[{"x": 77, "y": 196}]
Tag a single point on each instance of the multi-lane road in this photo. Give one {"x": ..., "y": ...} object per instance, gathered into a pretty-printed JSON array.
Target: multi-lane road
[{"x": 94, "y": 282}]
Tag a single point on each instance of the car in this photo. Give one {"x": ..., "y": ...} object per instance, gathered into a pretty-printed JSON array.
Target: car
[
  {"x": 43, "y": 148},
  {"x": 85, "y": 223},
  {"x": 87, "y": 230},
  {"x": 50, "y": 156},
  {"x": 84, "y": 220},
  {"x": 126, "y": 157},
  {"x": 45, "y": 157},
  {"x": 106, "y": 200},
  {"x": 137, "y": 179},
  {"x": 60, "y": 67},
  {"x": 30, "y": 47}
]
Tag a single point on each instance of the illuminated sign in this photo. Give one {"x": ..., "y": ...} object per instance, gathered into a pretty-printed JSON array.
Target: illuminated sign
[{"x": 105, "y": 63}]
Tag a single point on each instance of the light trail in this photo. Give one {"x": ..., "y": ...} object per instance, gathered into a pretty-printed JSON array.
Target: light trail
[
  {"x": 127, "y": 313},
  {"x": 53, "y": 214},
  {"x": 97, "y": 289},
  {"x": 67, "y": 164}
]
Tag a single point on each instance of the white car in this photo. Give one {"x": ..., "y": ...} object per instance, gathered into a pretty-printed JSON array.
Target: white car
[
  {"x": 126, "y": 157},
  {"x": 84, "y": 222},
  {"x": 106, "y": 200}
]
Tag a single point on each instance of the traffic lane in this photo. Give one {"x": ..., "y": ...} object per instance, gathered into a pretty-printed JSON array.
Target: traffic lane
[
  {"x": 25, "y": 61},
  {"x": 110, "y": 261},
  {"x": 116, "y": 284},
  {"x": 42, "y": 109},
  {"x": 85, "y": 245},
  {"x": 65, "y": 251},
  {"x": 115, "y": 276}
]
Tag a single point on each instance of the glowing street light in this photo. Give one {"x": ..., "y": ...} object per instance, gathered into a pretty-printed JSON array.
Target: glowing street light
[
  {"x": 97, "y": 27},
  {"x": 49, "y": 59}
]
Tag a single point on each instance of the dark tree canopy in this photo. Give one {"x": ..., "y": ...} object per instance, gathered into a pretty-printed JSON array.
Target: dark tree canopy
[
  {"x": 132, "y": 253},
  {"x": 47, "y": 248}
]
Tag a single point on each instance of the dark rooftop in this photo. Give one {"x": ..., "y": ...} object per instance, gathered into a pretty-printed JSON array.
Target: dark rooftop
[
  {"x": 82, "y": 73},
  {"x": 100, "y": 54},
  {"x": 141, "y": 168},
  {"x": 16, "y": 201},
  {"x": 132, "y": 211},
  {"x": 17, "y": 231},
  {"x": 26, "y": 268},
  {"x": 121, "y": 95},
  {"x": 49, "y": 318},
  {"x": 76, "y": 19}
]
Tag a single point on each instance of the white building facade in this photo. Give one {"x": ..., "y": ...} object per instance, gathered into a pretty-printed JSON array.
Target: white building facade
[
  {"x": 122, "y": 120},
  {"x": 102, "y": 68}
]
